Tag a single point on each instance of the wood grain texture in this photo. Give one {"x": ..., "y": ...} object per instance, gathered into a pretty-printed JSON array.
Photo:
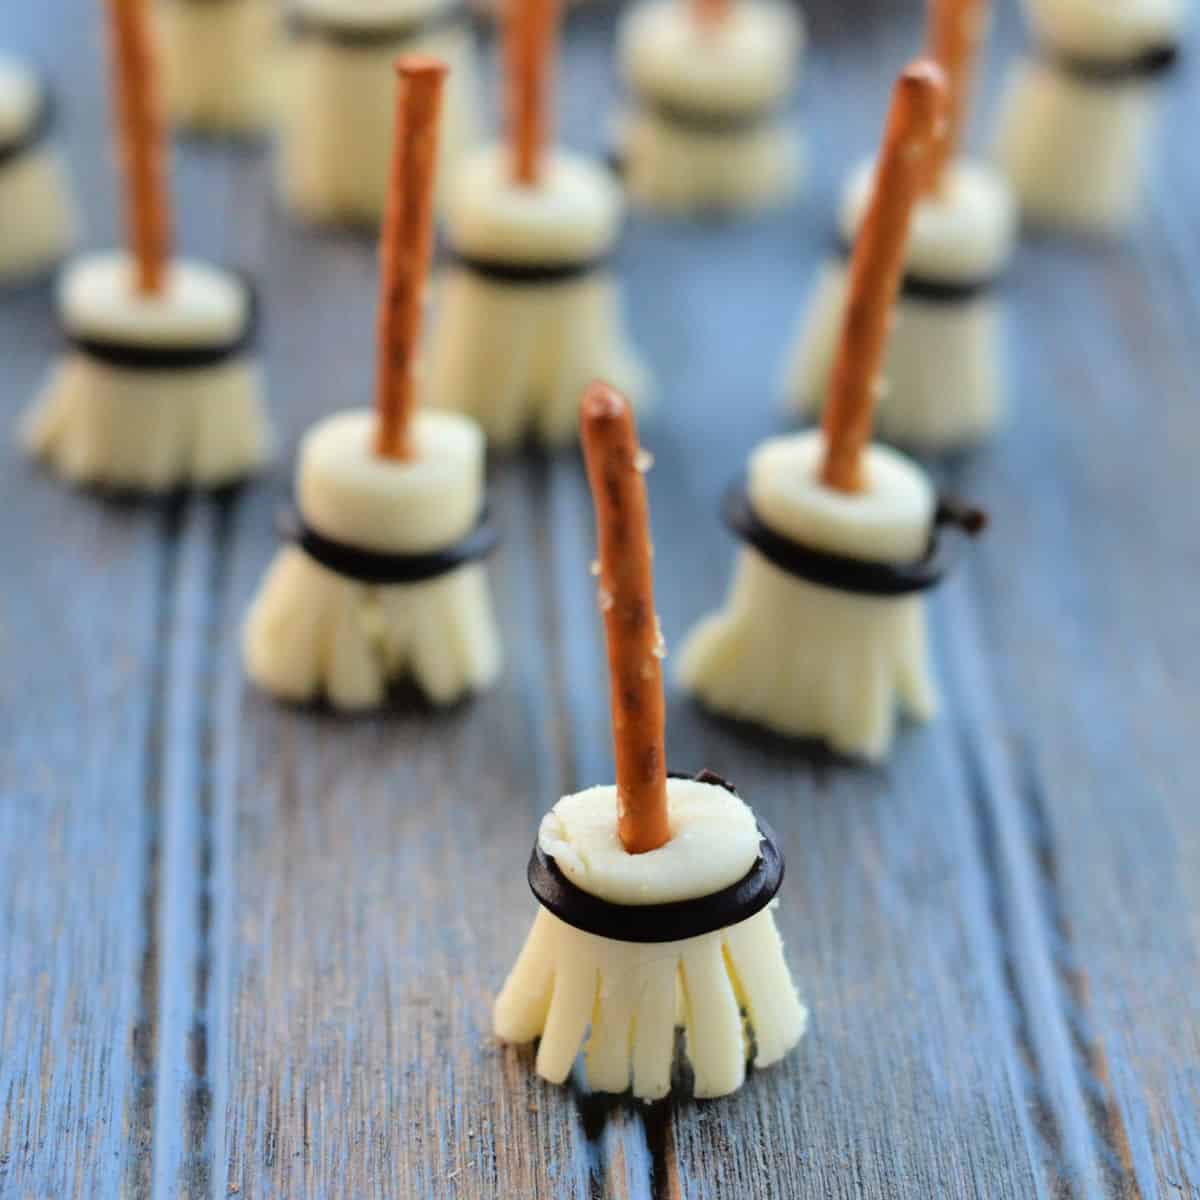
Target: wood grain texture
[
  {"x": 1088, "y": 627},
  {"x": 250, "y": 950},
  {"x": 82, "y": 590},
  {"x": 80, "y": 627}
]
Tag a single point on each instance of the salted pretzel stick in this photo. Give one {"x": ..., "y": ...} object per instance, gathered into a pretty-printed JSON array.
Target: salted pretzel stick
[
  {"x": 610, "y": 450},
  {"x": 875, "y": 270},
  {"x": 952, "y": 40},
  {"x": 406, "y": 250},
  {"x": 529, "y": 41},
  {"x": 140, "y": 139}
]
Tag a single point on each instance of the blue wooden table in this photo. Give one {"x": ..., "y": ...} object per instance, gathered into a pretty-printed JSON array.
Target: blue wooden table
[{"x": 248, "y": 950}]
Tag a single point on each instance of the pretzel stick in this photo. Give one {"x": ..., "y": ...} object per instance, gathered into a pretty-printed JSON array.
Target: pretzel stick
[
  {"x": 140, "y": 140},
  {"x": 610, "y": 450},
  {"x": 406, "y": 250},
  {"x": 529, "y": 39},
  {"x": 953, "y": 38},
  {"x": 710, "y": 13},
  {"x": 875, "y": 271}
]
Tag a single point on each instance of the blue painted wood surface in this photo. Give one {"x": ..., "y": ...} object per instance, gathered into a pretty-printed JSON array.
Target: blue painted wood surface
[{"x": 249, "y": 950}]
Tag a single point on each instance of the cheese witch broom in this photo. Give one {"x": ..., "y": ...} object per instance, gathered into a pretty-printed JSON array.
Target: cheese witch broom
[
  {"x": 337, "y": 100},
  {"x": 654, "y": 895},
  {"x": 824, "y": 628},
  {"x": 529, "y": 310},
  {"x": 943, "y": 375},
  {"x": 159, "y": 386},
  {"x": 706, "y": 129},
  {"x": 1077, "y": 125},
  {"x": 383, "y": 579}
]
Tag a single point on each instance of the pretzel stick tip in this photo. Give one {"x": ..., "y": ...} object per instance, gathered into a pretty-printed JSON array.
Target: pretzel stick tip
[
  {"x": 406, "y": 249},
  {"x": 876, "y": 267},
  {"x": 610, "y": 448}
]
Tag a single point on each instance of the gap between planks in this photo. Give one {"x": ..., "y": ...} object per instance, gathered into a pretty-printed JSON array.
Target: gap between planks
[{"x": 183, "y": 1150}]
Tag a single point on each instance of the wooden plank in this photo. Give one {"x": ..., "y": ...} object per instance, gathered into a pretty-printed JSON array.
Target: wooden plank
[
  {"x": 80, "y": 640},
  {"x": 77, "y": 828},
  {"x": 1085, "y": 592}
]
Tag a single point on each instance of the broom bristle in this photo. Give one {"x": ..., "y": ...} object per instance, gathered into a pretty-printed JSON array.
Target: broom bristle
[{"x": 634, "y": 996}]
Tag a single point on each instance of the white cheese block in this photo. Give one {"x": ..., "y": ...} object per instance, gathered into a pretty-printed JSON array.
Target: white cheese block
[
  {"x": 199, "y": 305},
  {"x": 888, "y": 521},
  {"x": 348, "y": 493},
  {"x": 572, "y": 214},
  {"x": 714, "y": 843}
]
